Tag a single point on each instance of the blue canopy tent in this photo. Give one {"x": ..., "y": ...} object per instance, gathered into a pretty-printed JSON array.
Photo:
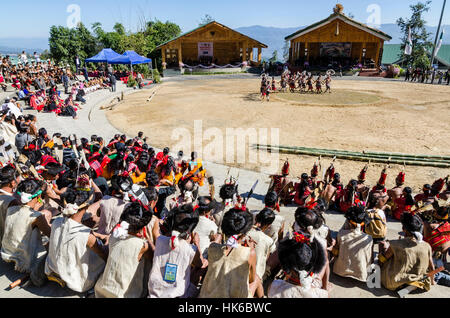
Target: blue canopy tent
[
  {"x": 105, "y": 56},
  {"x": 132, "y": 58}
]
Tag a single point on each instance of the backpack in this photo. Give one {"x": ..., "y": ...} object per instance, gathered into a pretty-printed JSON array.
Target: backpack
[{"x": 377, "y": 228}]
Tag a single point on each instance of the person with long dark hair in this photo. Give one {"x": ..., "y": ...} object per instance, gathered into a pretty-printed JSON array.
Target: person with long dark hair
[
  {"x": 128, "y": 247},
  {"x": 77, "y": 255},
  {"x": 68, "y": 109},
  {"x": 232, "y": 266},
  {"x": 403, "y": 204},
  {"x": 176, "y": 252},
  {"x": 408, "y": 260},
  {"x": 353, "y": 249},
  {"x": 24, "y": 226},
  {"x": 302, "y": 260}
]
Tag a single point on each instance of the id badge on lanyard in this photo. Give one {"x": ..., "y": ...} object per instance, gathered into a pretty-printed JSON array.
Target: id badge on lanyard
[{"x": 170, "y": 273}]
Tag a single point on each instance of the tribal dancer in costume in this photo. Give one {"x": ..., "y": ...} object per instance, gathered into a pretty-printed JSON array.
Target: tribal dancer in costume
[
  {"x": 379, "y": 191},
  {"x": 328, "y": 84},
  {"x": 282, "y": 185},
  {"x": 437, "y": 234},
  {"x": 332, "y": 186},
  {"x": 438, "y": 186},
  {"x": 292, "y": 84},
  {"x": 319, "y": 85},
  {"x": 302, "y": 83},
  {"x": 264, "y": 90},
  {"x": 349, "y": 197},
  {"x": 361, "y": 188},
  {"x": 303, "y": 191},
  {"x": 309, "y": 82},
  {"x": 314, "y": 181},
  {"x": 446, "y": 194},
  {"x": 283, "y": 83},
  {"x": 396, "y": 192},
  {"x": 425, "y": 197},
  {"x": 274, "y": 85},
  {"x": 403, "y": 204}
]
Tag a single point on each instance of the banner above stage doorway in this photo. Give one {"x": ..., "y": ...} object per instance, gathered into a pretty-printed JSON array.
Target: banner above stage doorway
[{"x": 205, "y": 49}]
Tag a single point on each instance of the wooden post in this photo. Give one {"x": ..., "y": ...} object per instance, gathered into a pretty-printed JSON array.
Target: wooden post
[
  {"x": 251, "y": 54},
  {"x": 361, "y": 55},
  {"x": 377, "y": 54},
  {"x": 307, "y": 48},
  {"x": 180, "y": 54},
  {"x": 291, "y": 53},
  {"x": 259, "y": 55},
  {"x": 244, "y": 52},
  {"x": 163, "y": 54},
  {"x": 294, "y": 53}
]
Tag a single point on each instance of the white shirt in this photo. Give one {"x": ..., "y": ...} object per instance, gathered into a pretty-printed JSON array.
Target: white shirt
[
  {"x": 13, "y": 109},
  {"x": 204, "y": 229}
]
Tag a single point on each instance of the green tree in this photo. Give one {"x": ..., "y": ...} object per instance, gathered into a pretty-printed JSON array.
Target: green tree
[
  {"x": 420, "y": 36},
  {"x": 88, "y": 42},
  {"x": 67, "y": 43},
  {"x": 119, "y": 28},
  {"x": 206, "y": 19},
  {"x": 60, "y": 42},
  {"x": 45, "y": 55},
  {"x": 274, "y": 57},
  {"x": 286, "y": 51},
  {"x": 157, "y": 33}
]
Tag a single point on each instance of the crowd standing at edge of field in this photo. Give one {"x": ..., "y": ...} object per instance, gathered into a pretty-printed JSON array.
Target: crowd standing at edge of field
[{"x": 433, "y": 76}]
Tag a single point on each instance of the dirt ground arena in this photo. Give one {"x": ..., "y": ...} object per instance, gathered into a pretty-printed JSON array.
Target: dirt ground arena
[{"x": 381, "y": 116}]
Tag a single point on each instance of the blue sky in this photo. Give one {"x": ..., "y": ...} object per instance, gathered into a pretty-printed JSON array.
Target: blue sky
[{"x": 29, "y": 18}]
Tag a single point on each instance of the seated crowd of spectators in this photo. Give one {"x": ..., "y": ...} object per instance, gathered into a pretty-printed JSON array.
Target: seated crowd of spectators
[{"x": 36, "y": 84}]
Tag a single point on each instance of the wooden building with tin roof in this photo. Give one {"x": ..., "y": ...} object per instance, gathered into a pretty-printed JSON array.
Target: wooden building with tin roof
[
  {"x": 336, "y": 40},
  {"x": 211, "y": 43}
]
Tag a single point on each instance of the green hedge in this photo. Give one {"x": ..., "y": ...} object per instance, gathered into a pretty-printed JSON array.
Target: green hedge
[
  {"x": 156, "y": 76},
  {"x": 131, "y": 81},
  {"x": 402, "y": 71}
]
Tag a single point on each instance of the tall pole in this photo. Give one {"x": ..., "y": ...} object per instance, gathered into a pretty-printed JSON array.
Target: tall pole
[{"x": 438, "y": 32}]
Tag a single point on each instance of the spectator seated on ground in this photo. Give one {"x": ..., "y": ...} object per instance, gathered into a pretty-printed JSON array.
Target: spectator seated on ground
[
  {"x": 24, "y": 95},
  {"x": 69, "y": 109},
  {"x": 54, "y": 104},
  {"x": 407, "y": 261},
  {"x": 36, "y": 102}
]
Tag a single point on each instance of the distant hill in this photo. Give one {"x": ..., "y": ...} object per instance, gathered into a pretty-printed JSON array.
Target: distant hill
[
  {"x": 17, "y": 45},
  {"x": 274, "y": 37}
]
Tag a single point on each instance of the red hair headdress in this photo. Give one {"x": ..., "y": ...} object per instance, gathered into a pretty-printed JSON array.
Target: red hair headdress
[
  {"x": 300, "y": 238},
  {"x": 285, "y": 170},
  {"x": 362, "y": 174},
  {"x": 383, "y": 177},
  {"x": 315, "y": 171},
  {"x": 401, "y": 178}
]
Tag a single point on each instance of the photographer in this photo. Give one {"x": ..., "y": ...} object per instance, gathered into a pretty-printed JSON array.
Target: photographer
[
  {"x": 10, "y": 107},
  {"x": 23, "y": 138}
]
